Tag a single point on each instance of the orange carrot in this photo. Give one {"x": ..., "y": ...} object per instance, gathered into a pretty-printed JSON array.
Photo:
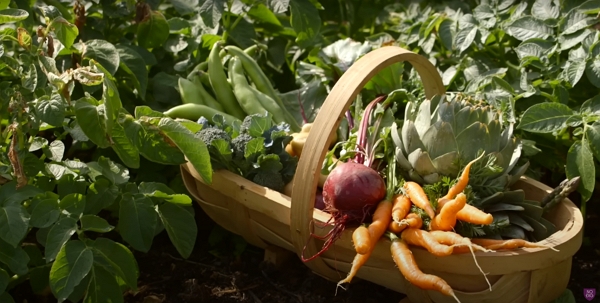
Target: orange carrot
[
  {"x": 405, "y": 261},
  {"x": 361, "y": 240},
  {"x": 400, "y": 207},
  {"x": 456, "y": 241},
  {"x": 358, "y": 262},
  {"x": 418, "y": 197},
  {"x": 496, "y": 244},
  {"x": 459, "y": 242},
  {"x": 395, "y": 227},
  {"x": 381, "y": 220},
  {"x": 470, "y": 214},
  {"x": 446, "y": 219},
  {"x": 412, "y": 220},
  {"x": 462, "y": 182},
  {"x": 419, "y": 237}
]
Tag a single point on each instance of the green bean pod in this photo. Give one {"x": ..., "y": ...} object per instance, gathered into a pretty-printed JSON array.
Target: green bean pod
[
  {"x": 218, "y": 81},
  {"x": 241, "y": 89},
  {"x": 270, "y": 105},
  {"x": 261, "y": 81},
  {"x": 205, "y": 96},
  {"x": 189, "y": 92},
  {"x": 193, "y": 111},
  {"x": 205, "y": 80}
]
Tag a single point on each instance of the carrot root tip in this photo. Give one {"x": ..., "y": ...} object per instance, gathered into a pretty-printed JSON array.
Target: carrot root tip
[{"x": 455, "y": 297}]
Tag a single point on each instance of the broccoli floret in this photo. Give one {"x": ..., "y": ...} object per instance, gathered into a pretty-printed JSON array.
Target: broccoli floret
[
  {"x": 269, "y": 179},
  {"x": 208, "y": 135},
  {"x": 245, "y": 126},
  {"x": 239, "y": 144}
]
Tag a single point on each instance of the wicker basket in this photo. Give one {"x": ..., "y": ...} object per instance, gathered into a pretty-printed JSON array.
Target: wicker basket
[{"x": 267, "y": 218}]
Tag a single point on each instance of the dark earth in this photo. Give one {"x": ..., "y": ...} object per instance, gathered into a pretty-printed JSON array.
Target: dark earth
[{"x": 215, "y": 273}]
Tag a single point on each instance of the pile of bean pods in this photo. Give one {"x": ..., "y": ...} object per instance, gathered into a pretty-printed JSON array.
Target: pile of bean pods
[{"x": 230, "y": 83}]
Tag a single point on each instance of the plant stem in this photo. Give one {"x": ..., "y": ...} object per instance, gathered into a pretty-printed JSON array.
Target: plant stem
[{"x": 232, "y": 26}]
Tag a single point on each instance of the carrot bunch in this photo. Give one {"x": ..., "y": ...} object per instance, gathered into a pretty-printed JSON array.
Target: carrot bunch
[{"x": 393, "y": 217}]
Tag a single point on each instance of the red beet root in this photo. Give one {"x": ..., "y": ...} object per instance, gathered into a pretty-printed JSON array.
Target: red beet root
[
  {"x": 350, "y": 193},
  {"x": 319, "y": 203},
  {"x": 352, "y": 189}
]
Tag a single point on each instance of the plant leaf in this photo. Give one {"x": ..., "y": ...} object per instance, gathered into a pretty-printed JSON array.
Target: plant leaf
[
  {"x": 134, "y": 65},
  {"x": 14, "y": 221},
  {"x": 137, "y": 221},
  {"x": 305, "y": 20},
  {"x": 575, "y": 21},
  {"x": 574, "y": 71},
  {"x": 72, "y": 204},
  {"x": 102, "y": 287},
  {"x": 51, "y": 110},
  {"x": 592, "y": 132},
  {"x": 65, "y": 31},
  {"x": 278, "y": 6},
  {"x": 193, "y": 148},
  {"x": 592, "y": 71},
  {"x": 545, "y": 9},
  {"x": 104, "y": 53},
  {"x": 44, "y": 211},
  {"x": 545, "y": 117},
  {"x": 58, "y": 235},
  {"x": 465, "y": 37},
  {"x": 211, "y": 12},
  {"x": 528, "y": 27},
  {"x": 153, "y": 31},
  {"x": 11, "y": 15},
  {"x": 184, "y": 7},
  {"x": 180, "y": 225},
  {"x": 95, "y": 224},
  {"x": 124, "y": 147},
  {"x": 580, "y": 162},
  {"x": 91, "y": 121},
  {"x": 14, "y": 257},
  {"x": 72, "y": 264},
  {"x": 117, "y": 259}
]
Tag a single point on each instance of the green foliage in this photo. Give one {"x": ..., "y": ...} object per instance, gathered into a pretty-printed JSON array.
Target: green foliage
[
  {"x": 86, "y": 151},
  {"x": 73, "y": 154},
  {"x": 254, "y": 149}
]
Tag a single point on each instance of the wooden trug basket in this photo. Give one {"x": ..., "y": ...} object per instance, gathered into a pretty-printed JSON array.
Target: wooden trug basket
[{"x": 267, "y": 219}]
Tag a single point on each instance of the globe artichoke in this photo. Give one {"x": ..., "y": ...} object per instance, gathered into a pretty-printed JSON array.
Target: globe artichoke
[{"x": 440, "y": 136}]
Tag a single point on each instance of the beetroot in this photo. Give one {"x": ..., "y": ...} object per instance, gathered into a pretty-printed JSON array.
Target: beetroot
[
  {"x": 350, "y": 193},
  {"x": 351, "y": 190},
  {"x": 354, "y": 188},
  {"x": 319, "y": 203}
]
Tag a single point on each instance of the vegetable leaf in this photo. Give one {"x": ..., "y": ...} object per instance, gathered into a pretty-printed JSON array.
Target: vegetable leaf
[
  {"x": 545, "y": 117},
  {"x": 72, "y": 264},
  {"x": 580, "y": 162},
  {"x": 180, "y": 225},
  {"x": 137, "y": 221}
]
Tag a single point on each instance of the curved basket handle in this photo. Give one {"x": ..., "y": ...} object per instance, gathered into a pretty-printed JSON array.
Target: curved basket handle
[{"x": 325, "y": 125}]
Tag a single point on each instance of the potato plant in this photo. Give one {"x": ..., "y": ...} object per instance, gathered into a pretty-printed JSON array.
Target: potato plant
[{"x": 71, "y": 211}]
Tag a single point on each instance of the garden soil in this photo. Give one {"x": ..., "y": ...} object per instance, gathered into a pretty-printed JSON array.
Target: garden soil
[{"x": 216, "y": 273}]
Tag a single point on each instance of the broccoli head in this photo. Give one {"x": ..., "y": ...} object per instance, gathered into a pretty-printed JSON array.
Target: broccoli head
[
  {"x": 270, "y": 179},
  {"x": 239, "y": 144},
  {"x": 208, "y": 135}
]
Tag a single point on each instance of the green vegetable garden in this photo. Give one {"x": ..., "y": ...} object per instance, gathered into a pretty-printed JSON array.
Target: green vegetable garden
[{"x": 299, "y": 151}]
